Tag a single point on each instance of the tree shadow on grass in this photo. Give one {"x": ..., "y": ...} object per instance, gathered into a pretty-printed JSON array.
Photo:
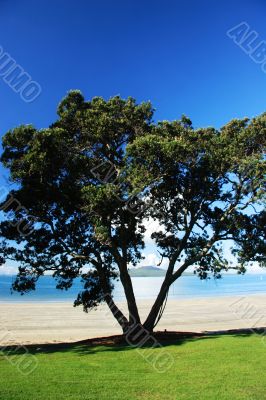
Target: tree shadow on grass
[{"x": 119, "y": 343}]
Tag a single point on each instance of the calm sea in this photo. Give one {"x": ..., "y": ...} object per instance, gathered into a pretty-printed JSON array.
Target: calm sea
[{"x": 145, "y": 288}]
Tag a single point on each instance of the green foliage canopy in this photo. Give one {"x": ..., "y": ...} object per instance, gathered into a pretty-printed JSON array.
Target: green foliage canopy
[{"x": 85, "y": 187}]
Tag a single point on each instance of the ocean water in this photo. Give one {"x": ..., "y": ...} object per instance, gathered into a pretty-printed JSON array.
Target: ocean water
[{"x": 145, "y": 288}]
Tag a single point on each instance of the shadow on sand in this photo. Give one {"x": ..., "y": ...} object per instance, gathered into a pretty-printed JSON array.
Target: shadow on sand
[{"x": 119, "y": 342}]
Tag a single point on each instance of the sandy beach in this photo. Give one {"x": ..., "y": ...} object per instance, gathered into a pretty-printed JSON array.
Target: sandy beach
[{"x": 34, "y": 323}]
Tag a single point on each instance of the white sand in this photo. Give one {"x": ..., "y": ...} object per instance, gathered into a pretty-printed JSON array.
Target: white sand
[{"x": 25, "y": 323}]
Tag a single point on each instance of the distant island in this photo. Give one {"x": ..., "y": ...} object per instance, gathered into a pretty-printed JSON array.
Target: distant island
[{"x": 149, "y": 271}]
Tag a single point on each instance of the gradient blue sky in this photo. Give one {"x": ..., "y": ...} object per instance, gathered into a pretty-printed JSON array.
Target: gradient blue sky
[{"x": 174, "y": 53}]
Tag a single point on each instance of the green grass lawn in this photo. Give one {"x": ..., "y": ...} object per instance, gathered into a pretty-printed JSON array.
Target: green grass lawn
[{"x": 213, "y": 368}]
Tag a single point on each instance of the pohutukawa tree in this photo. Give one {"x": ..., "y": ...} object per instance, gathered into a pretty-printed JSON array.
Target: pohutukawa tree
[{"x": 85, "y": 187}]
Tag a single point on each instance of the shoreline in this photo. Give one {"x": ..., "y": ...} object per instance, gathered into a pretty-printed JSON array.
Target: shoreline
[
  {"x": 141, "y": 300},
  {"x": 58, "y": 322}
]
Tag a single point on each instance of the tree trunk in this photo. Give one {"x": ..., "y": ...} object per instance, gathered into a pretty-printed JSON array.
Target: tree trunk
[
  {"x": 127, "y": 285},
  {"x": 130, "y": 296},
  {"x": 150, "y": 322},
  {"x": 117, "y": 313}
]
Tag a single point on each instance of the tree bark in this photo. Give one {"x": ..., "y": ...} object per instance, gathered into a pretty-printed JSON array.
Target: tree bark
[
  {"x": 149, "y": 324},
  {"x": 127, "y": 285},
  {"x": 117, "y": 313},
  {"x": 130, "y": 296}
]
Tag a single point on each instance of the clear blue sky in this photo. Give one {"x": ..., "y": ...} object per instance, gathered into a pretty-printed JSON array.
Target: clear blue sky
[{"x": 174, "y": 53}]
